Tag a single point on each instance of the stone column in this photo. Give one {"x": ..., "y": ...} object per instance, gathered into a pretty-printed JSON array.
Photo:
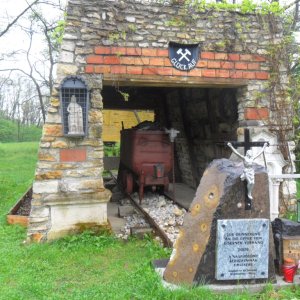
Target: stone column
[{"x": 68, "y": 191}]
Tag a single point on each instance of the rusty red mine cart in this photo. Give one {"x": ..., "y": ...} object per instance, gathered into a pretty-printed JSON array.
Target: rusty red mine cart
[{"x": 146, "y": 158}]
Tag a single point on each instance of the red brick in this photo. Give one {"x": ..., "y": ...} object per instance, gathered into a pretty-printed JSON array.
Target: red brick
[
  {"x": 118, "y": 69},
  {"x": 233, "y": 56},
  {"x": 127, "y": 60},
  {"x": 102, "y": 69},
  {"x": 262, "y": 75},
  {"x": 72, "y": 155},
  {"x": 202, "y": 64},
  {"x": 213, "y": 64},
  {"x": 149, "y": 52},
  {"x": 222, "y": 73},
  {"x": 164, "y": 71},
  {"x": 167, "y": 62},
  {"x": 253, "y": 113},
  {"x": 94, "y": 59},
  {"x": 134, "y": 51},
  {"x": 111, "y": 60},
  {"x": 227, "y": 65},
  {"x": 102, "y": 50},
  {"x": 195, "y": 72},
  {"x": 221, "y": 56},
  {"x": 163, "y": 52},
  {"x": 144, "y": 61},
  {"x": 149, "y": 71},
  {"x": 253, "y": 66},
  {"x": 257, "y": 57},
  {"x": 134, "y": 70},
  {"x": 208, "y": 55},
  {"x": 241, "y": 66},
  {"x": 89, "y": 69},
  {"x": 177, "y": 72},
  {"x": 246, "y": 57},
  {"x": 118, "y": 50},
  {"x": 236, "y": 74},
  {"x": 157, "y": 61},
  {"x": 209, "y": 73},
  {"x": 249, "y": 75}
]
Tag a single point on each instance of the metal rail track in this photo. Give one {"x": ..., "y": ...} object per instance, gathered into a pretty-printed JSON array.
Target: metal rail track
[
  {"x": 166, "y": 241},
  {"x": 158, "y": 231}
]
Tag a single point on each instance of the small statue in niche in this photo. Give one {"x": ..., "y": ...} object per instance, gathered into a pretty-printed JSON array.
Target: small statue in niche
[
  {"x": 75, "y": 118},
  {"x": 248, "y": 172}
]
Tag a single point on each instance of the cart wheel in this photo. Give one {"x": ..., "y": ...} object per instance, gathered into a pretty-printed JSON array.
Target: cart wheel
[{"x": 129, "y": 183}]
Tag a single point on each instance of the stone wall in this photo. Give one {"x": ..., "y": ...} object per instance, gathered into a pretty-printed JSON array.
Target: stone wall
[
  {"x": 126, "y": 43},
  {"x": 68, "y": 191}
]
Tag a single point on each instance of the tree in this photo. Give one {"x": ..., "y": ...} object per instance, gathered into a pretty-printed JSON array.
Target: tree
[
  {"x": 38, "y": 70},
  {"x": 15, "y": 20}
]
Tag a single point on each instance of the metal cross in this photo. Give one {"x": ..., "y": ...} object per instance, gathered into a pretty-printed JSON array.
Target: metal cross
[{"x": 247, "y": 144}]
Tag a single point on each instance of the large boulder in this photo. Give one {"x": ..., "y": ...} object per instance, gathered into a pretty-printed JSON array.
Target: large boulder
[{"x": 220, "y": 195}]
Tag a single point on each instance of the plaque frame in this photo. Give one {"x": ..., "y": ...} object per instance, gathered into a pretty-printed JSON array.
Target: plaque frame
[{"x": 242, "y": 249}]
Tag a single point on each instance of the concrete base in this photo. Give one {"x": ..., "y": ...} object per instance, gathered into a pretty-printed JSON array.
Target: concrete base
[
  {"x": 234, "y": 288},
  {"x": 75, "y": 218},
  {"x": 115, "y": 221}
]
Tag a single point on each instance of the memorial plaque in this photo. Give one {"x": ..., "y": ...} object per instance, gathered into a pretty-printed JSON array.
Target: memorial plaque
[
  {"x": 242, "y": 249},
  {"x": 291, "y": 247}
]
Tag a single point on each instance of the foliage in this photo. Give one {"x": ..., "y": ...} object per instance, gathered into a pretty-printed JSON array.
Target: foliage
[
  {"x": 245, "y": 7},
  {"x": 17, "y": 161},
  {"x": 12, "y": 131},
  {"x": 112, "y": 149},
  {"x": 57, "y": 34}
]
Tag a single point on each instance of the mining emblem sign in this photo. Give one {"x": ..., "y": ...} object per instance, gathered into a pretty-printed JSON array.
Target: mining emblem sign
[{"x": 183, "y": 57}]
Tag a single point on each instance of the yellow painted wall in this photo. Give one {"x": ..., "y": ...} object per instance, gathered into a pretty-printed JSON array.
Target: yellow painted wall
[{"x": 112, "y": 122}]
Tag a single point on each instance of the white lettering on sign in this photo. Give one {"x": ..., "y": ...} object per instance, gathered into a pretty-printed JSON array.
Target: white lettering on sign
[{"x": 183, "y": 67}]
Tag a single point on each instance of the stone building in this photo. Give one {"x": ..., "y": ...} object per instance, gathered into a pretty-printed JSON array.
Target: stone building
[{"x": 118, "y": 51}]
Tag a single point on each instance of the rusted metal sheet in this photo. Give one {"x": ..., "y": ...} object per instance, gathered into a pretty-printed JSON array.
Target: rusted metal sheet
[{"x": 145, "y": 158}]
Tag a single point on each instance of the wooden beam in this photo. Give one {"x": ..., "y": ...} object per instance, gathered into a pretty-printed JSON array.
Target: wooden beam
[{"x": 171, "y": 81}]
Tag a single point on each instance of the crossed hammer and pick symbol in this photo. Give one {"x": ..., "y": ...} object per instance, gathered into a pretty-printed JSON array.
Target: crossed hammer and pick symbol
[{"x": 183, "y": 54}]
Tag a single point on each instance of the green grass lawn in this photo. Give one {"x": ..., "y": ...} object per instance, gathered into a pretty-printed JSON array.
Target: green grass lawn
[{"x": 84, "y": 266}]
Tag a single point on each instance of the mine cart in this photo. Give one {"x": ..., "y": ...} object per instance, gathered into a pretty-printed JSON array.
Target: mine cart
[{"x": 146, "y": 158}]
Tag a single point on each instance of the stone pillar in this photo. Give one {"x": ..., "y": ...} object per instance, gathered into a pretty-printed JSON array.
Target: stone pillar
[
  {"x": 68, "y": 191},
  {"x": 274, "y": 185}
]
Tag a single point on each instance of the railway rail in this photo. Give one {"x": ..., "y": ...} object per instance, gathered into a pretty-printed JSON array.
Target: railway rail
[{"x": 156, "y": 228}]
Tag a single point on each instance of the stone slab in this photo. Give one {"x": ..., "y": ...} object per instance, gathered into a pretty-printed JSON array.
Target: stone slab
[
  {"x": 125, "y": 210},
  {"x": 242, "y": 249},
  {"x": 72, "y": 155},
  {"x": 117, "y": 224},
  {"x": 228, "y": 288}
]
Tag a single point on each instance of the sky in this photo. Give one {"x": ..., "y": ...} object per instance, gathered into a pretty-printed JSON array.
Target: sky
[{"x": 16, "y": 39}]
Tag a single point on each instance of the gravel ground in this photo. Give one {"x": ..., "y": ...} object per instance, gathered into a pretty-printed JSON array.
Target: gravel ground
[{"x": 166, "y": 214}]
